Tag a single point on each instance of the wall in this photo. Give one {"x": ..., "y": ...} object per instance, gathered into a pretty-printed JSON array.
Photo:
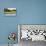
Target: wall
[{"x": 28, "y": 12}]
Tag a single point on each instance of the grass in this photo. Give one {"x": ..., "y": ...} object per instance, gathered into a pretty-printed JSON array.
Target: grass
[{"x": 11, "y": 12}]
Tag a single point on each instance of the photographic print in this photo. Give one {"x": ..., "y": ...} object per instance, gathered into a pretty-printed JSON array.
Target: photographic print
[
  {"x": 10, "y": 11},
  {"x": 31, "y": 34}
]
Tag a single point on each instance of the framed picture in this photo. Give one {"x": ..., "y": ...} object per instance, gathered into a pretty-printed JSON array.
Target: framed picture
[
  {"x": 10, "y": 11},
  {"x": 33, "y": 32}
]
